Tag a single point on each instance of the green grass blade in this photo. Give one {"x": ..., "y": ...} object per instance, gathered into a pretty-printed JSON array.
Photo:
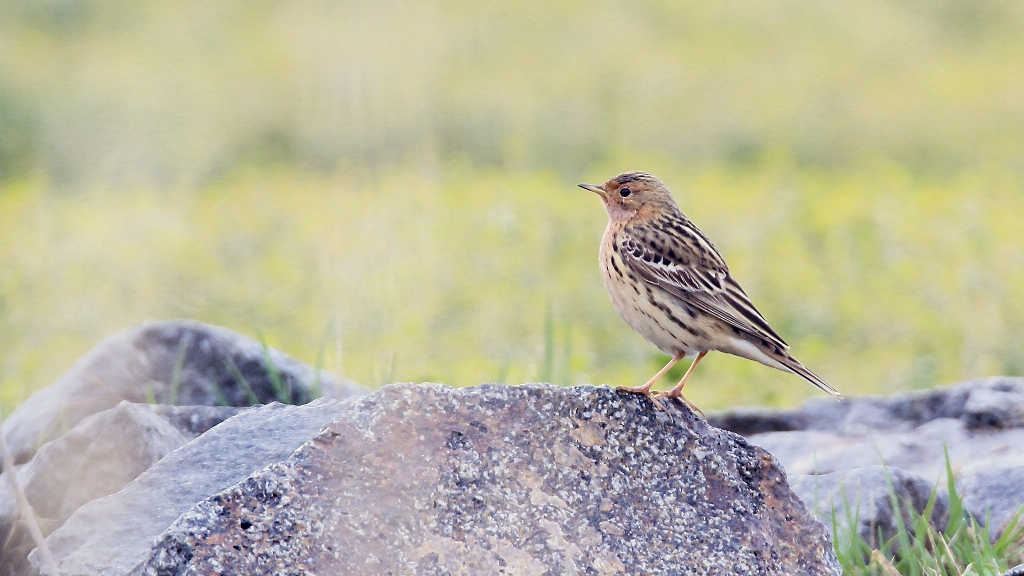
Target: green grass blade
[
  {"x": 241, "y": 382},
  {"x": 281, "y": 391}
]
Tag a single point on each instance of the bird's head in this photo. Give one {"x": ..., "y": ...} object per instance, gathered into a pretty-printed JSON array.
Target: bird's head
[{"x": 633, "y": 195}]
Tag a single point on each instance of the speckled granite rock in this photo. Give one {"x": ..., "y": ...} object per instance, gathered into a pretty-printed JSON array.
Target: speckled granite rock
[
  {"x": 535, "y": 479},
  {"x": 97, "y": 457},
  {"x": 865, "y": 495},
  {"x": 111, "y": 535},
  {"x": 174, "y": 362}
]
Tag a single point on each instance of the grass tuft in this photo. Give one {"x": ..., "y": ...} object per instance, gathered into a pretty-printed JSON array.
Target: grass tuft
[{"x": 963, "y": 547}]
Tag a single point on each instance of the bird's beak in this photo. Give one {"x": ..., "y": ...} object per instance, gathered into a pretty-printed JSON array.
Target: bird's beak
[{"x": 595, "y": 189}]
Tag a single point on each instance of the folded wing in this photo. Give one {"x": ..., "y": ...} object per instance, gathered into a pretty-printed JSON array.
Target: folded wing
[{"x": 707, "y": 287}]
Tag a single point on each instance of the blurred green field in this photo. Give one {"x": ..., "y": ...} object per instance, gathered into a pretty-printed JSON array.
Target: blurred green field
[
  {"x": 878, "y": 280},
  {"x": 389, "y": 186}
]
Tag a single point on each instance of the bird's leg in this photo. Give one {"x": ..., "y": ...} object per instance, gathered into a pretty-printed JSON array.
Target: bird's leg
[
  {"x": 677, "y": 392},
  {"x": 646, "y": 388}
]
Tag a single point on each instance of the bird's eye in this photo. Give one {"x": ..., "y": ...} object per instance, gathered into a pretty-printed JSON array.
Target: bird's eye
[{"x": 625, "y": 192}]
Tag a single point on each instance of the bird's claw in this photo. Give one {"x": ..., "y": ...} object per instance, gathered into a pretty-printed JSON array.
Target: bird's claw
[
  {"x": 643, "y": 391},
  {"x": 679, "y": 395}
]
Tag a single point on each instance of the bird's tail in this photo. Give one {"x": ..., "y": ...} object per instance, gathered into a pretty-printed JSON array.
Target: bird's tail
[{"x": 793, "y": 365}]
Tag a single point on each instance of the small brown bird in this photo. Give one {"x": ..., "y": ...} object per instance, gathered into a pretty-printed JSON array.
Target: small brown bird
[{"x": 670, "y": 284}]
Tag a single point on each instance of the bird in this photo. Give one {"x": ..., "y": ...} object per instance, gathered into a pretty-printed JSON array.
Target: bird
[{"x": 670, "y": 284}]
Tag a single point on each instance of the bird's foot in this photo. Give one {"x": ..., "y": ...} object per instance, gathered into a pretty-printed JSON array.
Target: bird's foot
[
  {"x": 679, "y": 395},
  {"x": 644, "y": 390}
]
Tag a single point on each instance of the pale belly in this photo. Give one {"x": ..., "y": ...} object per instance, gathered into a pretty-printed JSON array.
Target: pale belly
[{"x": 653, "y": 314}]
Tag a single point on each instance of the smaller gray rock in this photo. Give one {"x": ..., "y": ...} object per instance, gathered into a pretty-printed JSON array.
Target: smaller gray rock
[
  {"x": 921, "y": 450},
  {"x": 820, "y": 452},
  {"x": 869, "y": 497},
  {"x": 977, "y": 426},
  {"x": 748, "y": 421},
  {"x": 109, "y": 536},
  {"x": 993, "y": 491},
  {"x": 816, "y": 452},
  {"x": 97, "y": 457},
  {"x": 174, "y": 362},
  {"x": 984, "y": 403},
  {"x": 1017, "y": 570},
  {"x": 192, "y": 421},
  {"x": 995, "y": 403}
]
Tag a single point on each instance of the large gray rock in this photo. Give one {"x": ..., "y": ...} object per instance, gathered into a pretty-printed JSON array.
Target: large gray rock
[
  {"x": 532, "y": 479},
  {"x": 867, "y": 501},
  {"x": 174, "y": 362},
  {"x": 111, "y": 535},
  {"x": 97, "y": 457}
]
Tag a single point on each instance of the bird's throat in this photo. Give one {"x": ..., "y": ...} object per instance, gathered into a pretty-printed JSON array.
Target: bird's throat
[{"x": 618, "y": 212}]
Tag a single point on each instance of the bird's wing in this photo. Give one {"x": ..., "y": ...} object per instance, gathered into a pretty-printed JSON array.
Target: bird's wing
[{"x": 701, "y": 282}]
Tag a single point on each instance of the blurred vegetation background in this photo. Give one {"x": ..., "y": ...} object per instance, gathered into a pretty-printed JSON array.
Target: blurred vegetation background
[{"x": 388, "y": 186}]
